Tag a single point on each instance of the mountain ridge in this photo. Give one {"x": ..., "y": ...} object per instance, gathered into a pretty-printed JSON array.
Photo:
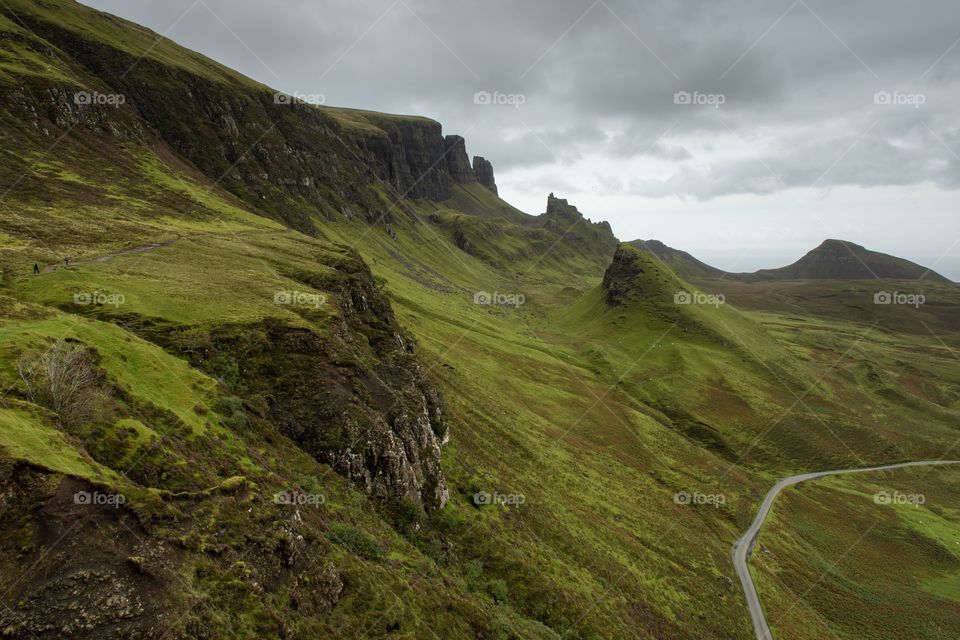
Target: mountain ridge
[
  {"x": 339, "y": 388},
  {"x": 831, "y": 260}
]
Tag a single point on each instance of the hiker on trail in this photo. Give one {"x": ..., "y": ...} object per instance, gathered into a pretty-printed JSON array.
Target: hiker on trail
[
  {"x": 36, "y": 269},
  {"x": 66, "y": 261}
]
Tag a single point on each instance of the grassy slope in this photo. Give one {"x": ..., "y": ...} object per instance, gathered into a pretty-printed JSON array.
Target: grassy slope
[
  {"x": 564, "y": 378},
  {"x": 529, "y": 422},
  {"x": 597, "y": 416},
  {"x": 834, "y": 563}
]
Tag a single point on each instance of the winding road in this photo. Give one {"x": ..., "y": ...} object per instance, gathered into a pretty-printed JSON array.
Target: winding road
[{"x": 744, "y": 546}]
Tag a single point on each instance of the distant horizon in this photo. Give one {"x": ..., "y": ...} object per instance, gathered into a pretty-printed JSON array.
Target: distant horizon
[{"x": 747, "y": 260}]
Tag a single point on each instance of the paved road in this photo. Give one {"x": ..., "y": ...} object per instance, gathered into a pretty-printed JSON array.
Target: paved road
[{"x": 744, "y": 546}]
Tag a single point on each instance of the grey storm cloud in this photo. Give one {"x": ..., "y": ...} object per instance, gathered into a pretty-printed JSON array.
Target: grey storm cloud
[{"x": 600, "y": 78}]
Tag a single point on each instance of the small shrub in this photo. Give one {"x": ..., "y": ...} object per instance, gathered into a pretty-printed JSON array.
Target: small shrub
[
  {"x": 65, "y": 380},
  {"x": 355, "y": 541},
  {"x": 226, "y": 369},
  {"x": 231, "y": 409},
  {"x": 404, "y": 514},
  {"x": 473, "y": 570},
  {"x": 497, "y": 589}
]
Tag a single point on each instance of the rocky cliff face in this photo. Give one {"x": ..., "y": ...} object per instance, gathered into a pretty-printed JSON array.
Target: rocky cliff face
[
  {"x": 276, "y": 154},
  {"x": 457, "y": 160},
  {"x": 483, "y": 171},
  {"x": 620, "y": 278},
  {"x": 357, "y": 398},
  {"x": 418, "y": 161},
  {"x": 566, "y": 221},
  {"x": 114, "y": 572},
  {"x": 639, "y": 276}
]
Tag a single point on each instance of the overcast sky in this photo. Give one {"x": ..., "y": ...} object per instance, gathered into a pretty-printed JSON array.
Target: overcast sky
[{"x": 743, "y": 131}]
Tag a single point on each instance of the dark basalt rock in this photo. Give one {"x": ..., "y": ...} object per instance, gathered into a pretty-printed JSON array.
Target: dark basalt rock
[
  {"x": 357, "y": 398},
  {"x": 271, "y": 154},
  {"x": 458, "y": 163},
  {"x": 483, "y": 171},
  {"x": 620, "y": 277}
]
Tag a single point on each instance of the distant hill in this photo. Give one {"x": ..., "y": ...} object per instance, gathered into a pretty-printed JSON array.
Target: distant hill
[
  {"x": 682, "y": 263},
  {"x": 832, "y": 260},
  {"x": 842, "y": 260}
]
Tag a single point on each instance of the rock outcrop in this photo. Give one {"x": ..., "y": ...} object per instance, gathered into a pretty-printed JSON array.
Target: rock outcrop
[
  {"x": 635, "y": 275},
  {"x": 457, "y": 161},
  {"x": 483, "y": 171},
  {"x": 567, "y": 222},
  {"x": 356, "y": 398},
  {"x": 276, "y": 154}
]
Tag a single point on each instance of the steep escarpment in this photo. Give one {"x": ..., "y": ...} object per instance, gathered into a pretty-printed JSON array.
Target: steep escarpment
[
  {"x": 564, "y": 220},
  {"x": 416, "y": 158},
  {"x": 358, "y": 399},
  {"x": 353, "y": 395},
  {"x": 483, "y": 171},
  {"x": 288, "y": 159},
  {"x": 637, "y": 276}
]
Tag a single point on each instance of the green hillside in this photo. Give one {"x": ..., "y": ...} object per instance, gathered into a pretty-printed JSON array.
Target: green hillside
[{"x": 310, "y": 378}]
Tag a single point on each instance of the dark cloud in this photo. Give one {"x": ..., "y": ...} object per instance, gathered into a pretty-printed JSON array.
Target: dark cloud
[{"x": 613, "y": 64}]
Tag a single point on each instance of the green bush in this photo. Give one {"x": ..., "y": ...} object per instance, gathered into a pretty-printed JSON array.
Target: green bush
[
  {"x": 231, "y": 409},
  {"x": 355, "y": 541},
  {"x": 497, "y": 589}
]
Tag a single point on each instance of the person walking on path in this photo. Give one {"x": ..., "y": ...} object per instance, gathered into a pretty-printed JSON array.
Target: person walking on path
[
  {"x": 66, "y": 261},
  {"x": 36, "y": 269}
]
